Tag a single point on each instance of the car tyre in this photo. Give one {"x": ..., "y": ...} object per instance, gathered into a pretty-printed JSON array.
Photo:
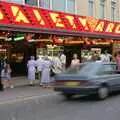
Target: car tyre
[
  {"x": 103, "y": 92},
  {"x": 68, "y": 96}
]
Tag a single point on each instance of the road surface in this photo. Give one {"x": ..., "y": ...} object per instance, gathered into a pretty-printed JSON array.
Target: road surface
[{"x": 55, "y": 107}]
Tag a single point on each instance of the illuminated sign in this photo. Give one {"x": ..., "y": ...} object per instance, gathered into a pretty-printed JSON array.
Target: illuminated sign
[
  {"x": 32, "y": 17},
  {"x": 56, "y": 18}
]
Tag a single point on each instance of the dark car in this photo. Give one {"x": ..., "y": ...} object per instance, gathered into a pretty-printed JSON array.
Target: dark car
[{"x": 89, "y": 78}]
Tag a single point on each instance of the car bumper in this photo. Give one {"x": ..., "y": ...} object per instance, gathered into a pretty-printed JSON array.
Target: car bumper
[{"x": 80, "y": 90}]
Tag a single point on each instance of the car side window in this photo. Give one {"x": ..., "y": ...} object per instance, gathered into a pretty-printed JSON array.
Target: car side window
[{"x": 107, "y": 69}]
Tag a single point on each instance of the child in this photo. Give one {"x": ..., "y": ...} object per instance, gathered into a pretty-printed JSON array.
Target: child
[{"x": 6, "y": 76}]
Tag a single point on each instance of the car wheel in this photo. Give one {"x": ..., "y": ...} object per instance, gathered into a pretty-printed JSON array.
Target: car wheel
[
  {"x": 68, "y": 96},
  {"x": 103, "y": 92}
]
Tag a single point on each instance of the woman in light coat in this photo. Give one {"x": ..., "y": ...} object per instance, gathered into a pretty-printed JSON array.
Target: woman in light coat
[
  {"x": 31, "y": 70},
  {"x": 45, "y": 77}
]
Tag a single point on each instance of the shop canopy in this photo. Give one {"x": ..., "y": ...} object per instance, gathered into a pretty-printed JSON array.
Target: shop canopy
[{"x": 15, "y": 17}]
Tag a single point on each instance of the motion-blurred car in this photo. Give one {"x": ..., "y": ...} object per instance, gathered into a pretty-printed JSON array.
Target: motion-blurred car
[{"x": 89, "y": 78}]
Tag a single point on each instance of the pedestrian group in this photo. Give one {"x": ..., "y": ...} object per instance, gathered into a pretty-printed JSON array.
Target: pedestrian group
[{"x": 48, "y": 68}]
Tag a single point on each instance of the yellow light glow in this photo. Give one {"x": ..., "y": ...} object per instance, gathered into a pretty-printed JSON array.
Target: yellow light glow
[
  {"x": 71, "y": 21},
  {"x": 38, "y": 16},
  {"x": 100, "y": 27},
  {"x": 19, "y": 15},
  {"x": 110, "y": 27},
  {"x": 83, "y": 21},
  {"x": 56, "y": 19},
  {"x": 92, "y": 23},
  {"x": 117, "y": 30},
  {"x": 1, "y": 15}
]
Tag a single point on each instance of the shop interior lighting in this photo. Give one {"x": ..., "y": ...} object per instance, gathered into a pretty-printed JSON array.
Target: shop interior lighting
[
  {"x": 39, "y": 40},
  {"x": 19, "y": 38}
]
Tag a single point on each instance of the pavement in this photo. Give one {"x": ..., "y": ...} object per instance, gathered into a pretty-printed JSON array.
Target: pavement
[
  {"x": 23, "y": 91},
  {"x": 22, "y": 81}
]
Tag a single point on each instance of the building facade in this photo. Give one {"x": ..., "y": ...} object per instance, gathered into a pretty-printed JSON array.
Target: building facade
[
  {"x": 27, "y": 30},
  {"x": 101, "y": 9}
]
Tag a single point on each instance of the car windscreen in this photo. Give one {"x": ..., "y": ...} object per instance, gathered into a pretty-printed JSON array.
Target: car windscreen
[{"x": 81, "y": 69}]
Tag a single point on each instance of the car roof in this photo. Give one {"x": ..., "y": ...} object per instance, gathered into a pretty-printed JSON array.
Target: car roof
[
  {"x": 95, "y": 66},
  {"x": 100, "y": 63}
]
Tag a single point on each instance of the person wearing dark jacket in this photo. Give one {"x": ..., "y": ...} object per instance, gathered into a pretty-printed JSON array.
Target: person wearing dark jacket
[{"x": 1, "y": 67}]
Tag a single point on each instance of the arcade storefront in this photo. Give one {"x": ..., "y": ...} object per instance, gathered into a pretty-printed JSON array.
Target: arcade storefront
[{"x": 26, "y": 30}]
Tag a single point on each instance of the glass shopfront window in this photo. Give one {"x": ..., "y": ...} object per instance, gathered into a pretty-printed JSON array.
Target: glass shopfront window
[
  {"x": 16, "y": 1},
  {"x": 51, "y": 51}
]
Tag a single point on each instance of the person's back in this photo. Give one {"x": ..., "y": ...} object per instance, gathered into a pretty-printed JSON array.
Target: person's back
[
  {"x": 57, "y": 65},
  {"x": 31, "y": 64},
  {"x": 118, "y": 62},
  {"x": 46, "y": 64},
  {"x": 39, "y": 63}
]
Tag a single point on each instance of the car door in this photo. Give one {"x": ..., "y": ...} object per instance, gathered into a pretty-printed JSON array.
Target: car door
[{"x": 108, "y": 74}]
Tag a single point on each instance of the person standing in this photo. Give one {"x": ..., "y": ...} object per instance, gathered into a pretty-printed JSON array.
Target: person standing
[
  {"x": 75, "y": 62},
  {"x": 39, "y": 66},
  {"x": 2, "y": 66},
  {"x": 45, "y": 76},
  {"x": 63, "y": 60},
  {"x": 57, "y": 65},
  {"x": 6, "y": 76},
  {"x": 118, "y": 61},
  {"x": 106, "y": 57},
  {"x": 95, "y": 56},
  {"x": 31, "y": 70}
]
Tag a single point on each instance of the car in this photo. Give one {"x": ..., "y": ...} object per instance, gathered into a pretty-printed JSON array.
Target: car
[{"x": 97, "y": 78}]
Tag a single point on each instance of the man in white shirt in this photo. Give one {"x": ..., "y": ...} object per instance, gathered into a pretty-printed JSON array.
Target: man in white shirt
[
  {"x": 63, "y": 60},
  {"x": 39, "y": 63},
  {"x": 106, "y": 57}
]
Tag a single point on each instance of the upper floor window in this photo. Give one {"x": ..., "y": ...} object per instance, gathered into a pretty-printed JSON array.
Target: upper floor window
[
  {"x": 71, "y": 6},
  {"x": 102, "y": 9},
  {"x": 32, "y": 2},
  {"x": 44, "y": 4},
  {"x": 16, "y": 1},
  {"x": 59, "y": 5},
  {"x": 113, "y": 6},
  {"x": 90, "y": 7}
]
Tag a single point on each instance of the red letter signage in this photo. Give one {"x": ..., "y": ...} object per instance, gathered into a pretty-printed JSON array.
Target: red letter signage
[{"x": 57, "y": 20}]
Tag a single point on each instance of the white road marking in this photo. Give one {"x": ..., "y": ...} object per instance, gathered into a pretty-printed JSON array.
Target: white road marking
[{"x": 26, "y": 98}]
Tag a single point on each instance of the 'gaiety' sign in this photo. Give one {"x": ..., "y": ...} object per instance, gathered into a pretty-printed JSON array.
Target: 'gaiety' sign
[{"x": 27, "y": 16}]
